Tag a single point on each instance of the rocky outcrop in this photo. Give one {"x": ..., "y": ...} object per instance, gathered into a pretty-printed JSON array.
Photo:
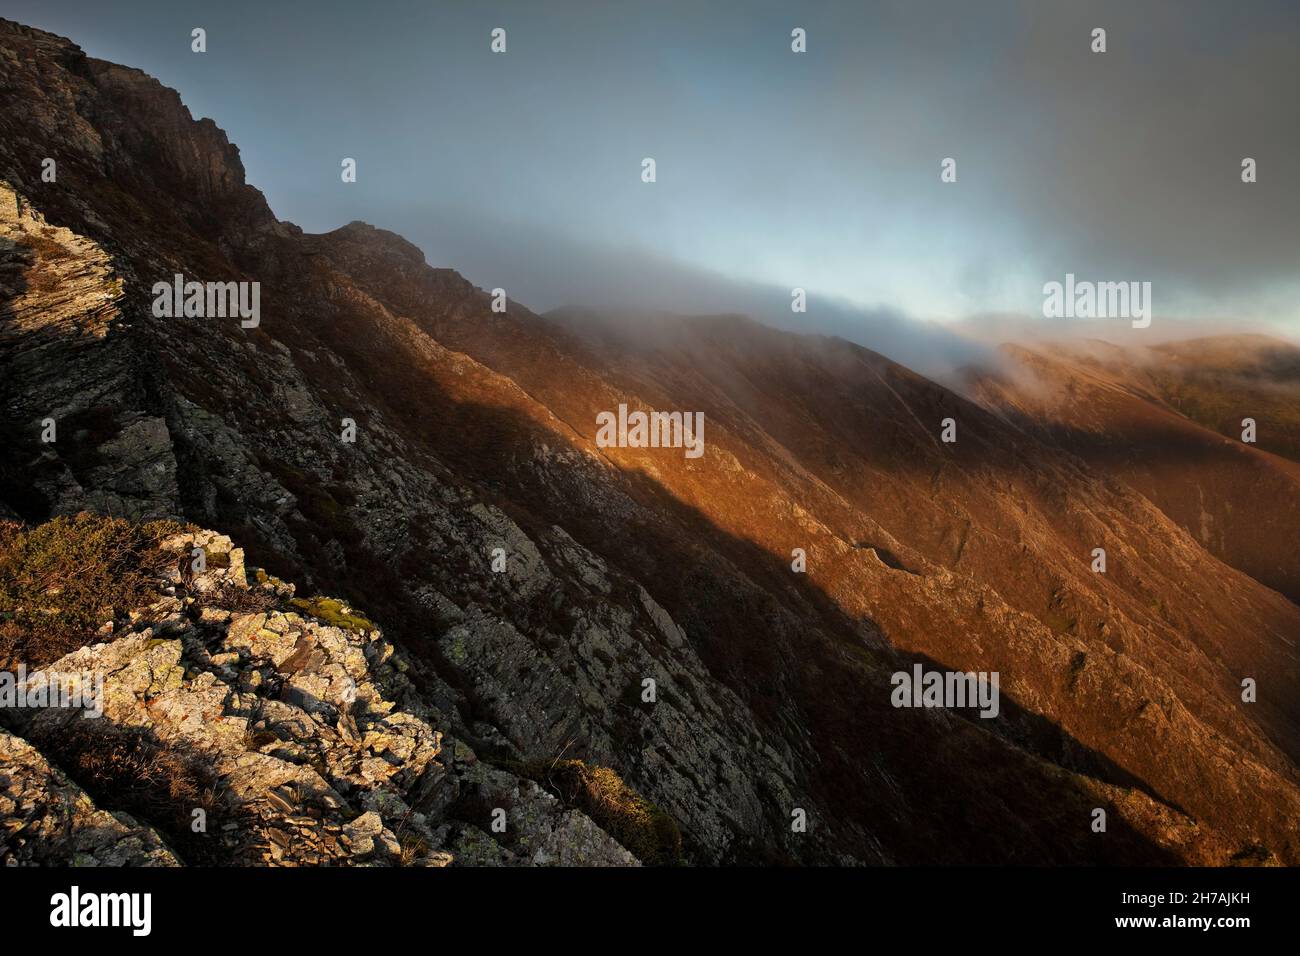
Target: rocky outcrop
[
  {"x": 295, "y": 724},
  {"x": 49, "y": 821},
  {"x": 62, "y": 295}
]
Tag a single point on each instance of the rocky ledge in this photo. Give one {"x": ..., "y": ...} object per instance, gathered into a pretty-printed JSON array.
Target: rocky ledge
[{"x": 243, "y": 725}]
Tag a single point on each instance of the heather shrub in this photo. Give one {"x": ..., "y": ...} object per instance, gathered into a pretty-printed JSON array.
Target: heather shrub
[{"x": 62, "y": 580}]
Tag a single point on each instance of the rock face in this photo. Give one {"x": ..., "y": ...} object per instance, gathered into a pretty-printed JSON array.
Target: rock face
[
  {"x": 50, "y": 821},
  {"x": 549, "y": 598}
]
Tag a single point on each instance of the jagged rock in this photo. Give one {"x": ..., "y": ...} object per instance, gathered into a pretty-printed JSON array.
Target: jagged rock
[{"x": 47, "y": 820}]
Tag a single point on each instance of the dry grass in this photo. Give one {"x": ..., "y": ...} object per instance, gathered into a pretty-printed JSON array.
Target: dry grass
[
  {"x": 231, "y": 597},
  {"x": 47, "y": 247},
  {"x": 128, "y": 769},
  {"x": 647, "y": 832}
]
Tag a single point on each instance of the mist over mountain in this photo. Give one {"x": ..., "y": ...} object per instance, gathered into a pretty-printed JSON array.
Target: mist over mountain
[
  {"x": 625, "y": 281},
  {"x": 818, "y": 170}
]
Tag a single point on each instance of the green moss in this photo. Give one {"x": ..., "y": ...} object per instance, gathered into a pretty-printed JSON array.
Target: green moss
[
  {"x": 648, "y": 833},
  {"x": 459, "y": 652},
  {"x": 332, "y": 612}
]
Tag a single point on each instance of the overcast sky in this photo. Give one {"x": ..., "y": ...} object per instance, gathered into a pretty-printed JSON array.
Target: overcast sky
[{"x": 775, "y": 169}]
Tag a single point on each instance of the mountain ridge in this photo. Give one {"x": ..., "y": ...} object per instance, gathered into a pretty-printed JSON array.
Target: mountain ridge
[{"x": 475, "y": 431}]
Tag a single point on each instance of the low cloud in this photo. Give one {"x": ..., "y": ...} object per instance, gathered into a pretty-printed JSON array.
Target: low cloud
[{"x": 545, "y": 271}]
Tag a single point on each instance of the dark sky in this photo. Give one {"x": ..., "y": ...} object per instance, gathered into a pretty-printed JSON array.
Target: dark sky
[{"x": 775, "y": 169}]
